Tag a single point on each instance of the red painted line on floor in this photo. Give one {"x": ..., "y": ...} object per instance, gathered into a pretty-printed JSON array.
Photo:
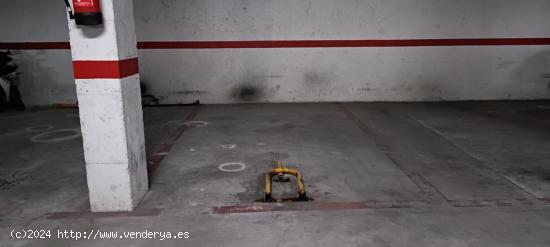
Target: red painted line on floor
[
  {"x": 310, "y": 206},
  {"x": 105, "y": 69},
  {"x": 154, "y": 160},
  {"x": 246, "y": 44},
  {"x": 139, "y": 212},
  {"x": 322, "y": 206}
]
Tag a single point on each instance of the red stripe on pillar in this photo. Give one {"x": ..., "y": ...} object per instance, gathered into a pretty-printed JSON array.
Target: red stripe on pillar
[{"x": 105, "y": 69}]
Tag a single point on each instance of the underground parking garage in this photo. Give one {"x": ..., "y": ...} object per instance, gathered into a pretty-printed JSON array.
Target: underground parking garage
[{"x": 274, "y": 123}]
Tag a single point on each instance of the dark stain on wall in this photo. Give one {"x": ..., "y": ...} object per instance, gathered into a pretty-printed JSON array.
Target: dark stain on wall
[
  {"x": 534, "y": 71},
  {"x": 318, "y": 82},
  {"x": 143, "y": 87},
  {"x": 247, "y": 93},
  {"x": 317, "y": 79},
  {"x": 146, "y": 98}
]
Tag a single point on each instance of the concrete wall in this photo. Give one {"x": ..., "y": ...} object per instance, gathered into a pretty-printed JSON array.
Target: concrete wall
[{"x": 306, "y": 74}]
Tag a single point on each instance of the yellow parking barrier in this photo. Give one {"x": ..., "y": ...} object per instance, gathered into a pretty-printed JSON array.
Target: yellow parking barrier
[{"x": 281, "y": 172}]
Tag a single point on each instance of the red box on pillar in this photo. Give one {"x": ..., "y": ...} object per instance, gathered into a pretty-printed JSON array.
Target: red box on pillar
[{"x": 87, "y": 12}]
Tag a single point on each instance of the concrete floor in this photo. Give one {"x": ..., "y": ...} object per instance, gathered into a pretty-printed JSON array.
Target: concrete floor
[{"x": 425, "y": 174}]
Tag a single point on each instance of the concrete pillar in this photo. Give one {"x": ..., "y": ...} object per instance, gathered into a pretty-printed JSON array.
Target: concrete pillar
[{"x": 108, "y": 88}]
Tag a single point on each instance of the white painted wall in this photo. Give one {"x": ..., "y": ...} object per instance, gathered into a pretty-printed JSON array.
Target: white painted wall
[
  {"x": 45, "y": 75},
  {"x": 318, "y": 74}
]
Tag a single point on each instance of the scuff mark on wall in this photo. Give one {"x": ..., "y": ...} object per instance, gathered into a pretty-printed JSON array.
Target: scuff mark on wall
[
  {"x": 319, "y": 82},
  {"x": 247, "y": 93},
  {"x": 189, "y": 92}
]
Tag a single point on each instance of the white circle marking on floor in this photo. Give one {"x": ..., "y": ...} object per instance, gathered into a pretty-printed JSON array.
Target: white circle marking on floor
[
  {"x": 196, "y": 123},
  {"x": 39, "y": 128},
  {"x": 229, "y": 146},
  {"x": 43, "y": 138},
  {"x": 223, "y": 166},
  {"x": 160, "y": 154}
]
